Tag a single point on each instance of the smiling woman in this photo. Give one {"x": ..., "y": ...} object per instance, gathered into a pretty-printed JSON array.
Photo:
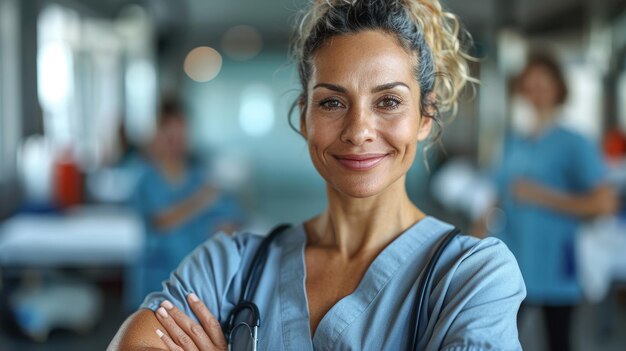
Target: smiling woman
[
  {"x": 363, "y": 125},
  {"x": 372, "y": 271}
]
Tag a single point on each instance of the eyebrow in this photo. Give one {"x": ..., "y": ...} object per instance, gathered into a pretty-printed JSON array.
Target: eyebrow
[
  {"x": 333, "y": 87},
  {"x": 389, "y": 86},
  {"x": 376, "y": 89}
]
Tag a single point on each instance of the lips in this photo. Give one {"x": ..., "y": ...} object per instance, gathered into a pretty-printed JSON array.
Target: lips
[{"x": 360, "y": 162}]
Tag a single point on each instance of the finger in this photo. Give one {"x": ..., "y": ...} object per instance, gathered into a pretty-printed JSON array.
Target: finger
[
  {"x": 190, "y": 327},
  {"x": 171, "y": 345},
  {"x": 209, "y": 322},
  {"x": 177, "y": 334}
]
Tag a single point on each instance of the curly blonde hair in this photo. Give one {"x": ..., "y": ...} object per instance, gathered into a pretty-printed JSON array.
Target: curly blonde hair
[{"x": 422, "y": 27}]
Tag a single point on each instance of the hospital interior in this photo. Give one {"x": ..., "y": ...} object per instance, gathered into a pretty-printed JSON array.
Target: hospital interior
[{"x": 94, "y": 94}]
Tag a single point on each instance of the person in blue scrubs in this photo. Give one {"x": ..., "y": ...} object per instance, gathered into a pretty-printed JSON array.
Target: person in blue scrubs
[
  {"x": 549, "y": 180},
  {"x": 179, "y": 207},
  {"x": 374, "y": 75}
]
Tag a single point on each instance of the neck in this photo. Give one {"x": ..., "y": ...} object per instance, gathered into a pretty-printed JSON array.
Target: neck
[
  {"x": 172, "y": 168},
  {"x": 353, "y": 226},
  {"x": 545, "y": 117}
]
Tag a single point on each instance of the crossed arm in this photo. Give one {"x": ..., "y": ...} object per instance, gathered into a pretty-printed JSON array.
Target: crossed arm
[
  {"x": 600, "y": 201},
  {"x": 170, "y": 329},
  {"x": 182, "y": 211}
]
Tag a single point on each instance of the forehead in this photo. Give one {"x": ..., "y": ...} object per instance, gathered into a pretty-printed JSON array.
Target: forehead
[
  {"x": 374, "y": 56},
  {"x": 172, "y": 120},
  {"x": 538, "y": 72}
]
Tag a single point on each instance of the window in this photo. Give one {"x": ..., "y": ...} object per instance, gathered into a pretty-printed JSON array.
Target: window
[
  {"x": 57, "y": 33},
  {"x": 10, "y": 130},
  {"x": 85, "y": 66}
]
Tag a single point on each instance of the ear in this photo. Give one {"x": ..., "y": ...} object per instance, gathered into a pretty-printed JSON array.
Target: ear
[
  {"x": 302, "y": 110},
  {"x": 426, "y": 122},
  {"x": 426, "y": 125}
]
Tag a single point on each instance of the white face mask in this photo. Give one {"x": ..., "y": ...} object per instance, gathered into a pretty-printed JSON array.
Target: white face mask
[{"x": 524, "y": 120}]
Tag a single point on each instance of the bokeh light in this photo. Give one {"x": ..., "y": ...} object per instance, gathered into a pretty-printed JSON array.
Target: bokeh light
[
  {"x": 203, "y": 64},
  {"x": 242, "y": 43},
  {"x": 256, "y": 115}
]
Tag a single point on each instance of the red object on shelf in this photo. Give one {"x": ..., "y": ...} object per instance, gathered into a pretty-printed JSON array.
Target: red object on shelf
[
  {"x": 68, "y": 182},
  {"x": 615, "y": 144}
]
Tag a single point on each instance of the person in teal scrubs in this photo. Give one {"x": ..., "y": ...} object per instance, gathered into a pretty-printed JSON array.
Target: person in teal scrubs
[
  {"x": 180, "y": 209},
  {"x": 549, "y": 180},
  {"x": 374, "y": 74}
]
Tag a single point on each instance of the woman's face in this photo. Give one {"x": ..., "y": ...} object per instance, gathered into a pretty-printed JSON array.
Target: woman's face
[
  {"x": 172, "y": 138},
  {"x": 539, "y": 87},
  {"x": 362, "y": 116}
]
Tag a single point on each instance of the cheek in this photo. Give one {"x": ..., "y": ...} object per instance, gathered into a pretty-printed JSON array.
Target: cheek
[
  {"x": 404, "y": 134},
  {"x": 553, "y": 95},
  {"x": 321, "y": 132}
]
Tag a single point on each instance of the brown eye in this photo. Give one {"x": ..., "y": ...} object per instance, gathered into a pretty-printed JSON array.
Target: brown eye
[
  {"x": 389, "y": 103},
  {"x": 331, "y": 104}
]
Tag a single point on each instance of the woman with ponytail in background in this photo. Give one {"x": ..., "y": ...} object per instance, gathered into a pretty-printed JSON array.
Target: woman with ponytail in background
[{"x": 375, "y": 76}]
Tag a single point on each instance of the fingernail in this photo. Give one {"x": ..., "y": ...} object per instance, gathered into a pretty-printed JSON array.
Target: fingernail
[
  {"x": 159, "y": 333},
  {"x": 193, "y": 297},
  {"x": 162, "y": 312},
  {"x": 168, "y": 305}
]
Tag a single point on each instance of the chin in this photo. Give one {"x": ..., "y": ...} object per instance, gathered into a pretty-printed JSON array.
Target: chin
[
  {"x": 360, "y": 187},
  {"x": 360, "y": 193}
]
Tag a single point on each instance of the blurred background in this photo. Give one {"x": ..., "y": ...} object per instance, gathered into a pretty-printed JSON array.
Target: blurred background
[{"x": 125, "y": 124}]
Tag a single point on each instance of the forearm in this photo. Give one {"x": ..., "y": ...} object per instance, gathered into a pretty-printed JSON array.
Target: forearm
[
  {"x": 600, "y": 201},
  {"x": 183, "y": 210},
  {"x": 138, "y": 334}
]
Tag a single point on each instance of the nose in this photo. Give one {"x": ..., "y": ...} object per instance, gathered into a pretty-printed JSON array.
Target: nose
[{"x": 359, "y": 126}]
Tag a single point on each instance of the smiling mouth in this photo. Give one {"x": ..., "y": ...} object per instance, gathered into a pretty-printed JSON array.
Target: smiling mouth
[{"x": 362, "y": 162}]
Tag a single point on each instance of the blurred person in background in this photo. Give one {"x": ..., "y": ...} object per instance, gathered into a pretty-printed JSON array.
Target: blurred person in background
[
  {"x": 549, "y": 179},
  {"x": 373, "y": 74},
  {"x": 179, "y": 206}
]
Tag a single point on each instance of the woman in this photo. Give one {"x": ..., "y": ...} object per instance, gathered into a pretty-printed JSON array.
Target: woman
[
  {"x": 179, "y": 207},
  {"x": 549, "y": 180},
  {"x": 372, "y": 75}
]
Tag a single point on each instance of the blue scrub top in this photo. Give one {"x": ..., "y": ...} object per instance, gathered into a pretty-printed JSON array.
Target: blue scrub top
[
  {"x": 473, "y": 306},
  {"x": 541, "y": 239}
]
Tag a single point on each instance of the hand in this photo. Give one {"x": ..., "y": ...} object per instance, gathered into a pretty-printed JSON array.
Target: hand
[
  {"x": 226, "y": 227},
  {"x": 606, "y": 201},
  {"x": 478, "y": 228},
  {"x": 183, "y": 334},
  {"x": 530, "y": 192},
  {"x": 208, "y": 192}
]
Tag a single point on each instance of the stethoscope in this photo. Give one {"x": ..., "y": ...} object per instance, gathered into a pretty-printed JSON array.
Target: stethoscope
[{"x": 245, "y": 319}]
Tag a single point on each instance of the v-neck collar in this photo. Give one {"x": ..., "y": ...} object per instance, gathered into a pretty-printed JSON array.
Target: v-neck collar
[
  {"x": 293, "y": 298},
  {"x": 166, "y": 179}
]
